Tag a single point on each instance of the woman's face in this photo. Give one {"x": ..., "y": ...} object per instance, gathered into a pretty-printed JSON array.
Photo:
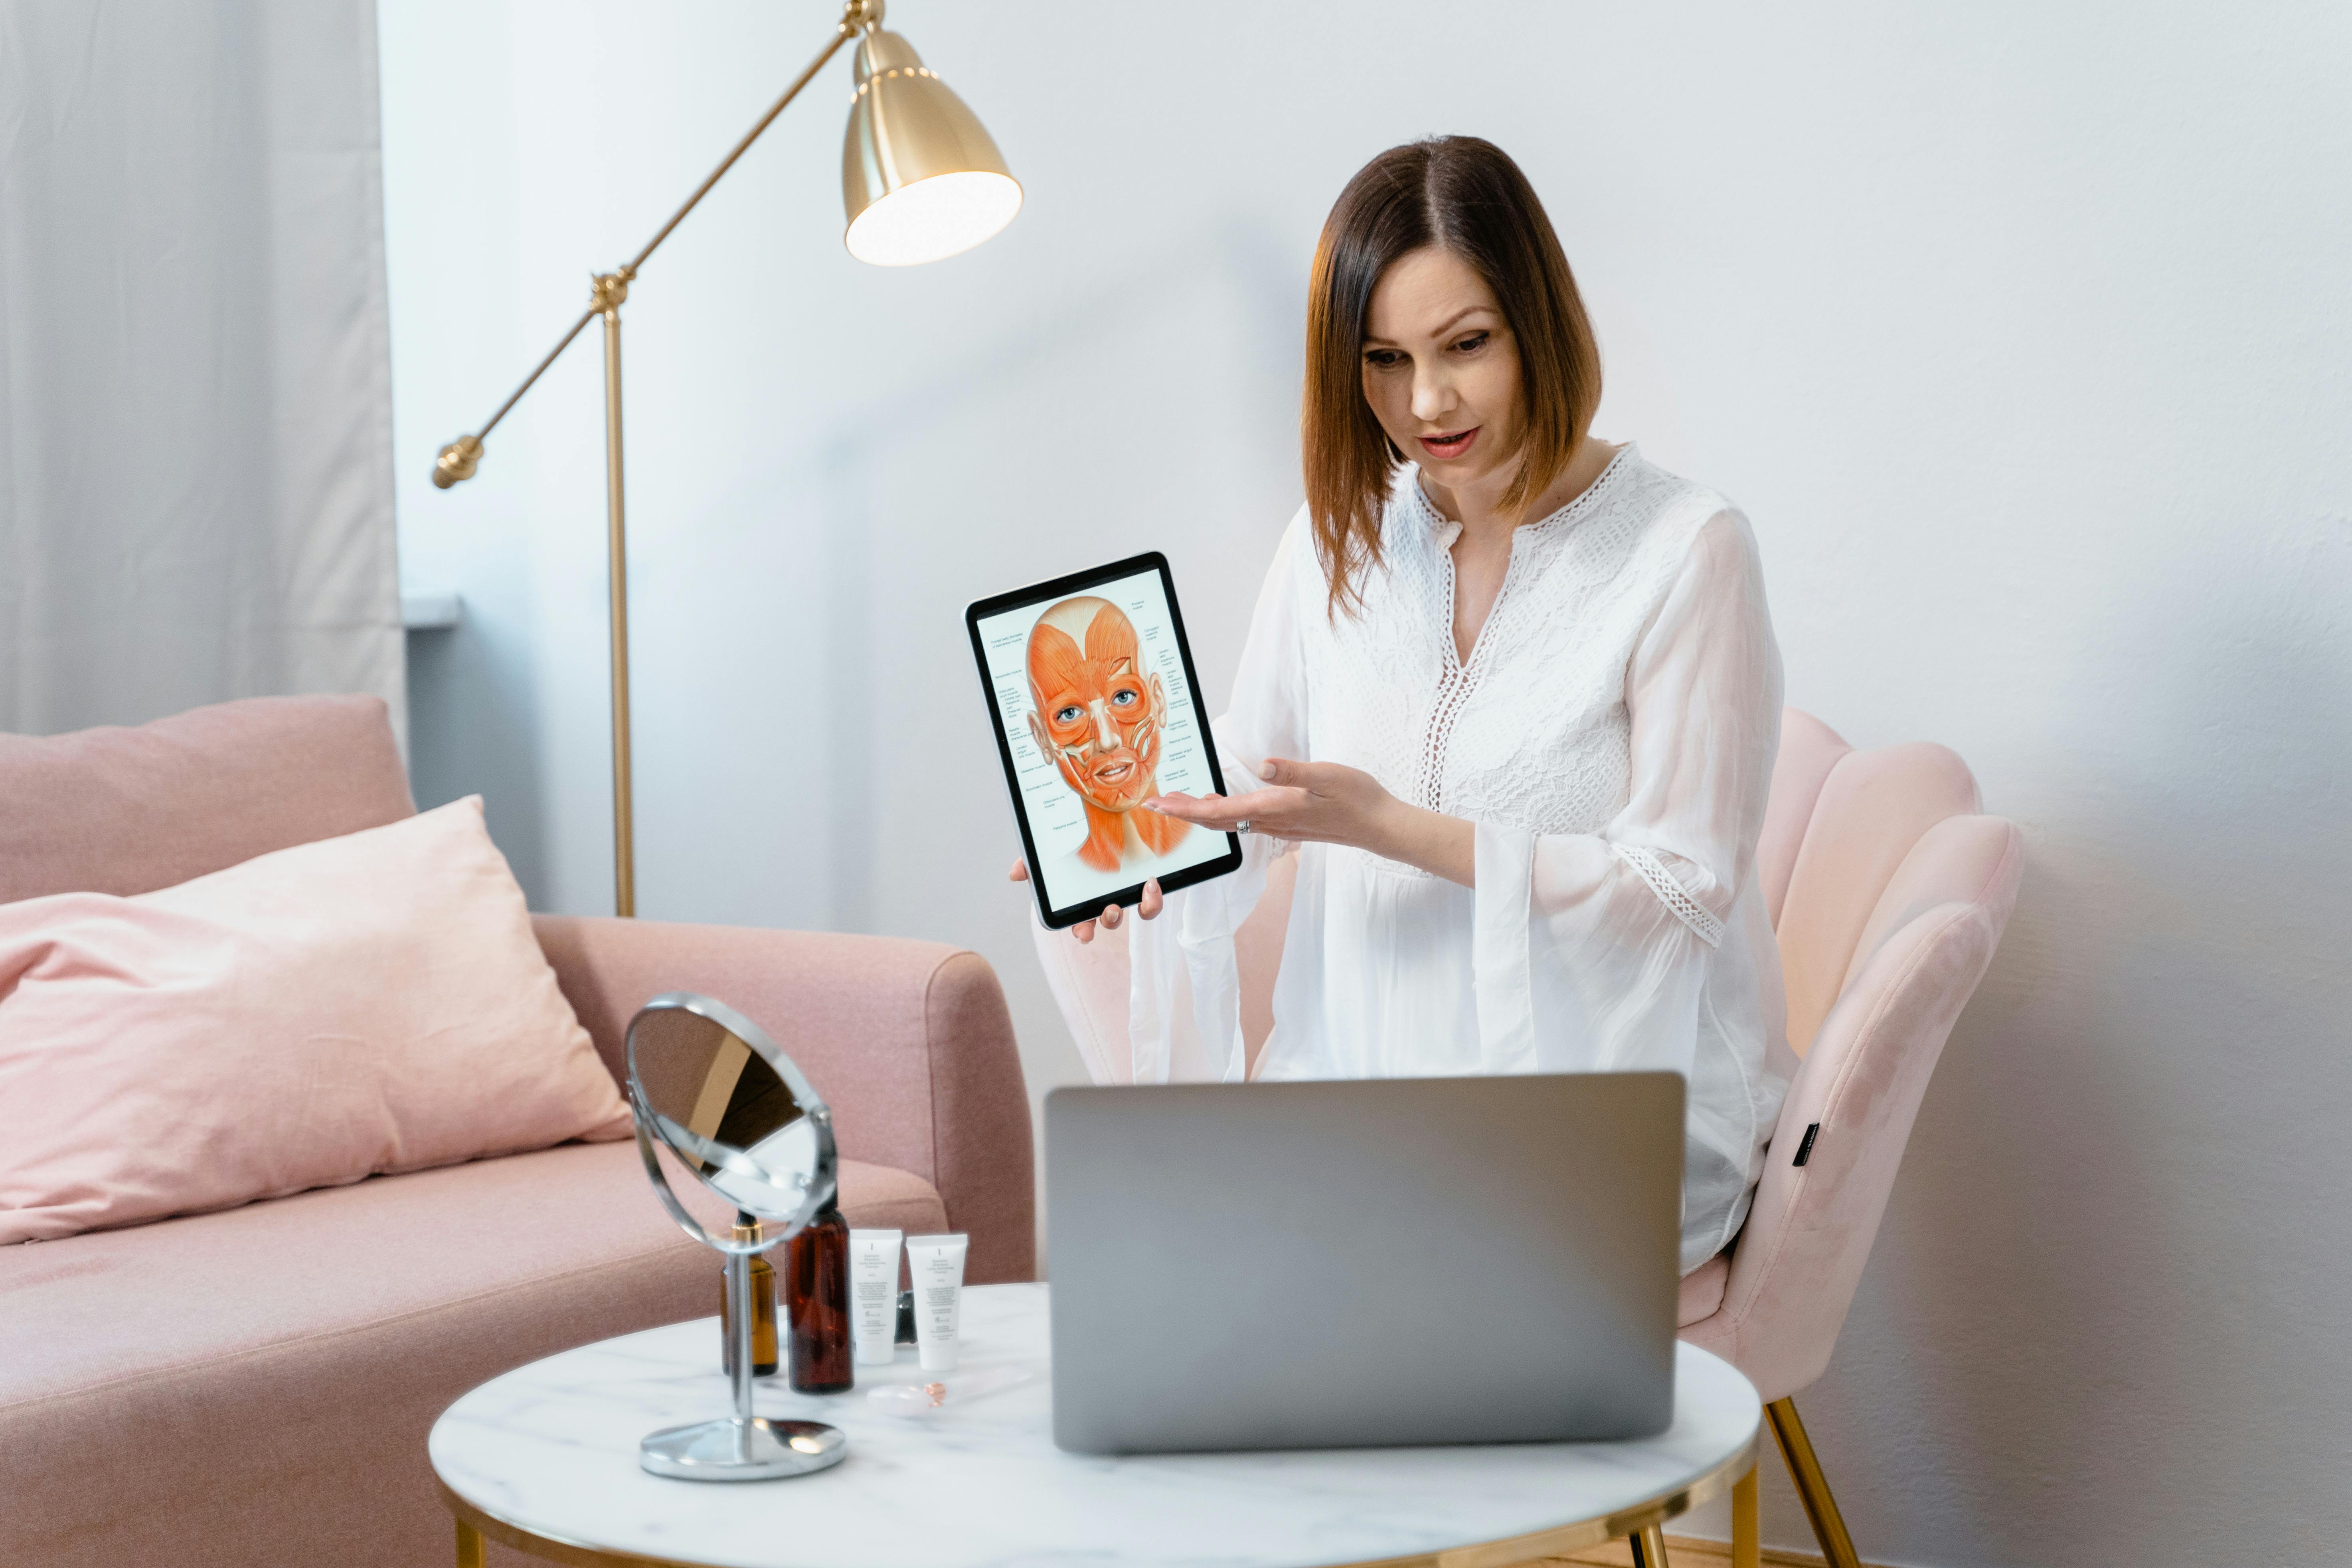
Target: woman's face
[{"x": 1440, "y": 370}]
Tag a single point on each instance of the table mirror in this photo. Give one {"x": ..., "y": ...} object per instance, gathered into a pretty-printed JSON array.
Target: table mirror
[{"x": 707, "y": 1085}]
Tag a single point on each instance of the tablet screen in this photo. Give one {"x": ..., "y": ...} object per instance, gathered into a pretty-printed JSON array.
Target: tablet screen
[{"x": 1094, "y": 699}]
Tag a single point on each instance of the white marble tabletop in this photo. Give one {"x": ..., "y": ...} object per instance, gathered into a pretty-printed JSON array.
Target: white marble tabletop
[{"x": 551, "y": 1448}]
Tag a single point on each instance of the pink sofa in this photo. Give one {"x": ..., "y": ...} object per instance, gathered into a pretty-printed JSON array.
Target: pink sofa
[{"x": 254, "y": 1386}]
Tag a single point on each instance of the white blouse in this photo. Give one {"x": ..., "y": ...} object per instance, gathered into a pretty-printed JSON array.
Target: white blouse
[{"x": 1611, "y": 738}]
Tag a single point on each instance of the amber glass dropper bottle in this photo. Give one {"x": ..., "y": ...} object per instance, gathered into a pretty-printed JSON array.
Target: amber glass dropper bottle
[
  {"x": 816, "y": 1293},
  {"x": 764, "y": 1360}
]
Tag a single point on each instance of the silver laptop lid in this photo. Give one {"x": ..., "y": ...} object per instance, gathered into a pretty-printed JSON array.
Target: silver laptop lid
[{"x": 1334, "y": 1265}]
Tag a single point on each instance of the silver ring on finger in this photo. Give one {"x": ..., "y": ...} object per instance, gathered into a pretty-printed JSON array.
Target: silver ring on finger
[{"x": 1244, "y": 826}]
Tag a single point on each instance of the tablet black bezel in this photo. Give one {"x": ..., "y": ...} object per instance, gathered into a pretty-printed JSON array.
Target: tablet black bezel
[{"x": 1062, "y": 588}]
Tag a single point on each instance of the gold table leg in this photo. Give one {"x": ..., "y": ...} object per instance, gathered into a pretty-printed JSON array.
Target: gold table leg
[
  {"x": 1747, "y": 1529},
  {"x": 470, "y": 1553},
  {"x": 1650, "y": 1548}
]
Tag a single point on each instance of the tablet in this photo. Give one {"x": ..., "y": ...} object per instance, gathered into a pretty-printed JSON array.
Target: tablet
[{"x": 1091, "y": 693}]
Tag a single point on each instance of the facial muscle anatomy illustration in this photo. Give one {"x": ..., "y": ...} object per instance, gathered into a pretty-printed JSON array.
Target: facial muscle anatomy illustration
[{"x": 1099, "y": 715}]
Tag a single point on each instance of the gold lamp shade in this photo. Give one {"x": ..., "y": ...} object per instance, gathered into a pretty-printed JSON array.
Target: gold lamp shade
[{"x": 920, "y": 178}]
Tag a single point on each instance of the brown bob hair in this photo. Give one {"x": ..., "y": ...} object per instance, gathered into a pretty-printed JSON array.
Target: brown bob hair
[{"x": 1465, "y": 195}]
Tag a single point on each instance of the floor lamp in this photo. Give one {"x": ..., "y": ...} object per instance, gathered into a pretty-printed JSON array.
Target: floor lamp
[{"x": 920, "y": 181}]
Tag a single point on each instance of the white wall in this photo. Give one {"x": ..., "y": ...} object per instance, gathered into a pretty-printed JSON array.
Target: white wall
[{"x": 2021, "y": 332}]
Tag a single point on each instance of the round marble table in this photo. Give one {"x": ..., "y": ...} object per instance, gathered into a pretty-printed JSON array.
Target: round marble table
[{"x": 545, "y": 1458}]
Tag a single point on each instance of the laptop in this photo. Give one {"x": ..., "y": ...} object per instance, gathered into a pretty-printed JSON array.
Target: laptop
[{"x": 1399, "y": 1261}]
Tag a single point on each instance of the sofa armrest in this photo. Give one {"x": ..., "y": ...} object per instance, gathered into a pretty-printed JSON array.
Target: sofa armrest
[{"x": 909, "y": 1042}]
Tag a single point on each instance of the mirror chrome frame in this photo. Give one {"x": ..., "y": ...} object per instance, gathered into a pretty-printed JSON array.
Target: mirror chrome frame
[{"x": 651, "y": 1124}]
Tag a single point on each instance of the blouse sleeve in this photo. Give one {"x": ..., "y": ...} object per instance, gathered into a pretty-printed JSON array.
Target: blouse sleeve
[
  {"x": 1591, "y": 950},
  {"x": 1158, "y": 1000}
]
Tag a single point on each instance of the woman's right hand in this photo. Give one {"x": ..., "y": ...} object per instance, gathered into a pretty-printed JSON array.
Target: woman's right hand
[{"x": 1085, "y": 930}]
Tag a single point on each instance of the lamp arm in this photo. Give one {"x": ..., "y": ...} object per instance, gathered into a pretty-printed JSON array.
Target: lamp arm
[
  {"x": 854, "y": 16},
  {"x": 460, "y": 457},
  {"x": 515, "y": 397}
]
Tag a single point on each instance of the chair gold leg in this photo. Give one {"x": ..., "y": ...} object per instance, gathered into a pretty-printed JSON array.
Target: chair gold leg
[
  {"x": 470, "y": 1553},
  {"x": 1650, "y": 1548},
  {"x": 1747, "y": 1531},
  {"x": 1813, "y": 1486}
]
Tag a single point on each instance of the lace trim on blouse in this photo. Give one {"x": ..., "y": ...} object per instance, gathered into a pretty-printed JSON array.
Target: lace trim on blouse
[
  {"x": 1461, "y": 681},
  {"x": 1671, "y": 892}
]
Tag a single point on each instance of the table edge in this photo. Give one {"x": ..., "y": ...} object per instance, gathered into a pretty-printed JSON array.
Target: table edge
[{"x": 1563, "y": 1538}]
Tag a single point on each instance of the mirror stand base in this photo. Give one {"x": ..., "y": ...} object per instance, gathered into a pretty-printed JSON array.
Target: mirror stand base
[{"x": 759, "y": 1450}]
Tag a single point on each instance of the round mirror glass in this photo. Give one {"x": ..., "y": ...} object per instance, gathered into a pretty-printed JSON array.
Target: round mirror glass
[{"x": 719, "y": 1094}]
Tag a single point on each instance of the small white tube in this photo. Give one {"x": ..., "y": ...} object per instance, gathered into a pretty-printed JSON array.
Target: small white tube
[
  {"x": 936, "y": 1262},
  {"x": 874, "y": 1295}
]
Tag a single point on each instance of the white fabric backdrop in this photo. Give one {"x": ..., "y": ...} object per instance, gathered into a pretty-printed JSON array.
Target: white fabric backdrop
[{"x": 194, "y": 359}]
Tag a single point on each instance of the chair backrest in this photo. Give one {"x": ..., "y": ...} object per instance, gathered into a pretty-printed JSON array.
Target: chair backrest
[
  {"x": 130, "y": 810},
  {"x": 1890, "y": 893},
  {"x": 1809, "y": 749}
]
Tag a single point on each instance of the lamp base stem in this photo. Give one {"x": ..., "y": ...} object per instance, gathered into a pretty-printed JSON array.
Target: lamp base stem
[{"x": 611, "y": 289}]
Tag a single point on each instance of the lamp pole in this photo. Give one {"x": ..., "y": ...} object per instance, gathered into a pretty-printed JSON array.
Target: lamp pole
[
  {"x": 611, "y": 289},
  {"x": 460, "y": 459}
]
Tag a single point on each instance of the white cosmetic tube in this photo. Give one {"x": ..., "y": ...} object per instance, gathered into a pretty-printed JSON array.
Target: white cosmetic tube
[
  {"x": 874, "y": 1295},
  {"x": 936, "y": 1262}
]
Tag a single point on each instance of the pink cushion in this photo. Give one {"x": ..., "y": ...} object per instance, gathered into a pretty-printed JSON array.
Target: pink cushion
[
  {"x": 1257, "y": 953},
  {"x": 1872, "y": 809},
  {"x": 1809, "y": 749},
  {"x": 129, "y": 811},
  {"x": 1961, "y": 858},
  {"x": 373, "y": 1002},
  {"x": 1702, "y": 1290}
]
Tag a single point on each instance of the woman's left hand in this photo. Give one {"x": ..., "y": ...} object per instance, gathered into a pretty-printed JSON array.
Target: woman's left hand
[
  {"x": 1320, "y": 802},
  {"x": 1328, "y": 803}
]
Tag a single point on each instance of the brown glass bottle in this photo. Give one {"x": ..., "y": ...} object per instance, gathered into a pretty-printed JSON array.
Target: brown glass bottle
[
  {"x": 816, "y": 1298},
  {"x": 764, "y": 1360}
]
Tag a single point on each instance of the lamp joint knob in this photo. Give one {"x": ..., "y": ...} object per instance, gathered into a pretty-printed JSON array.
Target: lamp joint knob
[
  {"x": 609, "y": 289},
  {"x": 458, "y": 462}
]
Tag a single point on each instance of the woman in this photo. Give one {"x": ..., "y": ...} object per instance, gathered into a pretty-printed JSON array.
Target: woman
[{"x": 1510, "y": 696}]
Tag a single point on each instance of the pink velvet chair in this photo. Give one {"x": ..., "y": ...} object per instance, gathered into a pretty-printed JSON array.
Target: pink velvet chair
[
  {"x": 1889, "y": 893},
  {"x": 254, "y": 1386}
]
